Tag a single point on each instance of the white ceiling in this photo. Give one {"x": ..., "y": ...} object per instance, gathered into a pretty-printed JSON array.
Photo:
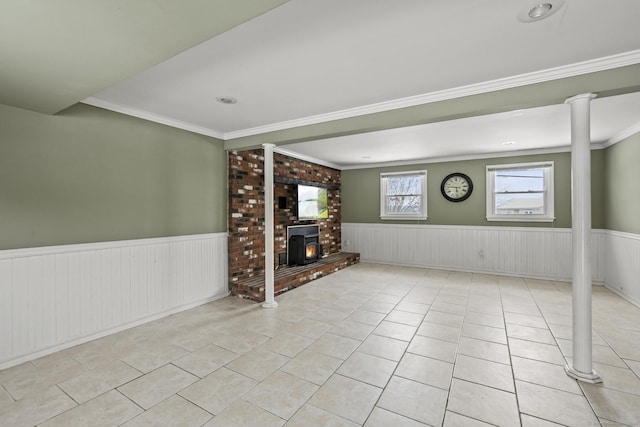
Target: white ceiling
[
  {"x": 54, "y": 54},
  {"x": 311, "y": 61},
  {"x": 542, "y": 128}
]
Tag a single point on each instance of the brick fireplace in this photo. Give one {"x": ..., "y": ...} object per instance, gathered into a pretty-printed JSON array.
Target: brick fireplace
[{"x": 246, "y": 211}]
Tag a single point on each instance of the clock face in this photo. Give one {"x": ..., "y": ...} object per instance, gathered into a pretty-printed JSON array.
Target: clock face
[{"x": 456, "y": 187}]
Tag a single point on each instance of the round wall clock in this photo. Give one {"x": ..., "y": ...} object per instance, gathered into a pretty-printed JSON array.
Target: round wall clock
[{"x": 456, "y": 187}]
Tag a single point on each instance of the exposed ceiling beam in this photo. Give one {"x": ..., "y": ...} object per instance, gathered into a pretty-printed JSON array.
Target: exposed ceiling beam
[{"x": 606, "y": 83}]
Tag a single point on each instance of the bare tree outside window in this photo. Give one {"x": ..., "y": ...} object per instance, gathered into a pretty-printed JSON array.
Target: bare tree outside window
[{"x": 402, "y": 195}]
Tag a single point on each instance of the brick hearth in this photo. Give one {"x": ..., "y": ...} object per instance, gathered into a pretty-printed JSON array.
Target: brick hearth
[{"x": 287, "y": 278}]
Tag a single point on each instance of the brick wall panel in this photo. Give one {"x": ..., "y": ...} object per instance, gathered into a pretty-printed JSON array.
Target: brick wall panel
[{"x": 246, "y": 209}]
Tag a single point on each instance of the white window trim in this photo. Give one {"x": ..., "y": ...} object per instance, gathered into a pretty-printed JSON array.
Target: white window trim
[
  {"x": 549, "y": 185},
  {"x": 383, "y": 192}
]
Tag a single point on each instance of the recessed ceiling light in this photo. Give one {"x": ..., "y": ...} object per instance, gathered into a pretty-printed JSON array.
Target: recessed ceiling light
[
  {"x": 507, "y": 143},
  {"x": 538, "y": 11},
  {"x": 366, "y": 157},
  {"x": 226, "y": 100}
]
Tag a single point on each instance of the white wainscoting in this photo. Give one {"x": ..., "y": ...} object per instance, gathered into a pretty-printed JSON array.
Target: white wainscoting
[
  {"x": 622, "y": 259},
  {"x": 55, "y": 297},
  {"x": 520, "y": 251}
]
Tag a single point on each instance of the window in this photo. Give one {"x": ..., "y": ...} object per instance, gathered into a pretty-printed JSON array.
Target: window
[
  {"x": 520, "y": 192},
  {"x": 403, "y": 195}
]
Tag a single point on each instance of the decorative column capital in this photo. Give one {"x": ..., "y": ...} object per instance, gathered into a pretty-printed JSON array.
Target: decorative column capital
[
  {"x": 587, "y": 96},
  {"x": 271, "y": 146}
]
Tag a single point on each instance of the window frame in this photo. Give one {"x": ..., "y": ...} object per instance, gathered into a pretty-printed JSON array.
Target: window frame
[
  {"x": 548, "y": 197},
  {"x": 422, "y": 215}
]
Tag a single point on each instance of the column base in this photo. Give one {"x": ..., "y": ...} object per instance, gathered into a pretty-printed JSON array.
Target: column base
[
  {"x": 592, "y": 378},
  {"x": 269, "y": 304}
]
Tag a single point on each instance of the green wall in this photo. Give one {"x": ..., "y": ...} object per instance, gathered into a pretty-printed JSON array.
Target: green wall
[
  {"x": 622, "y": 187},
  {"x": 90, "y": 175},
  {"x": 361, "y": 192}
]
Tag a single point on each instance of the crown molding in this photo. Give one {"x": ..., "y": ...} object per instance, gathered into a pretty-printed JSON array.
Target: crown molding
[
  {"x": 152, "y": 117},
  {"x": 495, "y": 155},
  {"x": 306, "y": 158},
  {"x": 585, "y": 67},
  {"x": 622, "y": 135}
]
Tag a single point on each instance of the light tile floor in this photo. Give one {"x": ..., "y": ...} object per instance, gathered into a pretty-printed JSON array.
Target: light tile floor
[{"x": 370, "y": 345}]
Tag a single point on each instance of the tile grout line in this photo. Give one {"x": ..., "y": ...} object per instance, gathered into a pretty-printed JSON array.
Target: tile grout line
[
  {"x": 319, "y": 386},
  {"x": 375, "y": 405},
  {"x": 538, "y": 297},
  {"x": 513, "y": 374},
  {"x": 555, "y": 340}
]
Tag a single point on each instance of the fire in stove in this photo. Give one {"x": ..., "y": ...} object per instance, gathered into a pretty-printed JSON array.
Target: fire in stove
[
  {"x": 311, "y": 250},
  {"x": 304, "y": 246}
]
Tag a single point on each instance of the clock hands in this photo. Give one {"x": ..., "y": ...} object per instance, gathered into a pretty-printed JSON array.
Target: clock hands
[{"x": 456, "y": 187}]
